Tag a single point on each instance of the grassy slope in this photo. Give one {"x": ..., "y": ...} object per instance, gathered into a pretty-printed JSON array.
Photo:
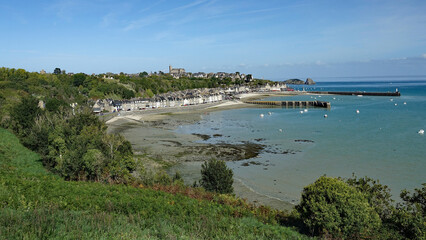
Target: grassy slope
[{"x": 37, "y": 204}]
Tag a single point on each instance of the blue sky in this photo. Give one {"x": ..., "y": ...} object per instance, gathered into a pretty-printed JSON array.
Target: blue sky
[{"x": 270, "y": 39}]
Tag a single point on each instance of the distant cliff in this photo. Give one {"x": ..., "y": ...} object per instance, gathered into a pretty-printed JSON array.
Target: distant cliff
[{"x": 294, "y": 81}]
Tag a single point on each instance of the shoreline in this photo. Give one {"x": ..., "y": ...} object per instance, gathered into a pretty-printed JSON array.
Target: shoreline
[{"x": 154, "y": 140}]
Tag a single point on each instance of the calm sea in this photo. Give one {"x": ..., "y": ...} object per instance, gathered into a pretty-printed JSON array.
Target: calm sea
[{"x": 381, "y": 141}]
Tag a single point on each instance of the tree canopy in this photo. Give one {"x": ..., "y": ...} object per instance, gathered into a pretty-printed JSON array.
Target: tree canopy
[{"x": 216, "y": 176}]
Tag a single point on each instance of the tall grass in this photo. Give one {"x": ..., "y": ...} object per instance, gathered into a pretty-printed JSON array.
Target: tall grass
[{"x": 35, "y": 204}]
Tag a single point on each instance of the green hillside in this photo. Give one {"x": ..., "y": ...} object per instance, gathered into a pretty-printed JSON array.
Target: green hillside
[{"x": 36, "y": 204}]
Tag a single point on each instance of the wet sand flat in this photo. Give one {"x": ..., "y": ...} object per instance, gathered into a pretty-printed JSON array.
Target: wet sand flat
[{"x": 152, "y": 135}]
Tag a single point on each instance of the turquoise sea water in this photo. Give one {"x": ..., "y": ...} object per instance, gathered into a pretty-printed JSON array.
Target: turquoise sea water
[{"x": 381, "y": 142}]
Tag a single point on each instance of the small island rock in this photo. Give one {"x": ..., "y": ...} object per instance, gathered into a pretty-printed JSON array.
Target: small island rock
[{"x": 309, "y": 81}]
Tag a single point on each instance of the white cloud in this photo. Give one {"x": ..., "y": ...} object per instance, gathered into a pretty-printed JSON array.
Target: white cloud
[{"x": 161, "y": 16}]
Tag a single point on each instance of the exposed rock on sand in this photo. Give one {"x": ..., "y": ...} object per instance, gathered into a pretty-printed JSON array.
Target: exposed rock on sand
[
  {"x": 202, "y": 136},
  {"x": 304, "y": 140},
  {"x": 152, "y": 138}
]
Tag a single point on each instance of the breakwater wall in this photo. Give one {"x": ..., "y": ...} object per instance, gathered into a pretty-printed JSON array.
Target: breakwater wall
[
  {"x": 303, "y": 104},
  {"x": 394, "y": 94}
]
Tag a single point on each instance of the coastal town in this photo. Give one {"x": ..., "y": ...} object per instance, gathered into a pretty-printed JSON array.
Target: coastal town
[
  {"x": 191, "y": 96},
  {"x": 183, "y": 98}
]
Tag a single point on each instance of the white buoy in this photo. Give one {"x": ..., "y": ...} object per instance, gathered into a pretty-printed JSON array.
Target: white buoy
[
  {"x": 357, "y": 111},
  {"x": 396, "y": 104},
  {"x": 421, "y": 132},
  {"x": 261, "y": 115},
  {"x": 325, "y": 115},
  {"x": 334, "y": 98},
  {"x": 405, "y": 103},
  {"x": 306, "y": 110}
]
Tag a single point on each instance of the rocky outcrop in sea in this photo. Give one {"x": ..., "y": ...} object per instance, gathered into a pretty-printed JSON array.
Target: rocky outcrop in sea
[
  {"x": 309, "y": 81},
  {"x": 294, "y": 81}
]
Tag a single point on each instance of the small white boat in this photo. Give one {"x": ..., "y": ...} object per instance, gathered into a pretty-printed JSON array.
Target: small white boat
[
  {"x": 357, "y": 111},
  {"x": 280, "y": 130},
  {"x": 306, "y": 110},
  {"x": 261, "y": 115},
  {"x": 421, "y": 132},
  {"x": 269, "y": 113},
  {"x": 301, "y": 112},
  {"x": 405, "y": 103},
  {"x": 359, "y": 95},
  {"x": 325, "y": 116},
  {"x": 396, "y": 104},
  {"x": 391, "y": 99}
]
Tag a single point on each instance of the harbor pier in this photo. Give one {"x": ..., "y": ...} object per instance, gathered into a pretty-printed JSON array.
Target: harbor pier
[
  {"x": 359, "y": 93},
  {"x": 294, "y": 104}
]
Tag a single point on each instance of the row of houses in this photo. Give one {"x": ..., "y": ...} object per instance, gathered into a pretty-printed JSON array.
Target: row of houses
[
  {"x": 181, "y": 98},
  {"x": 110, "y": 105},
  {"x": 180, "y": 72},
  {"x": 219, "y": 75},
  {"x": 278, "y": 87}
]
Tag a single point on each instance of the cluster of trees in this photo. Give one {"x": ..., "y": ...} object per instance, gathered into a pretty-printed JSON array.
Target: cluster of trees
[
  {"x": 121, "y": 86},
  {"x": 361, "y": 208},
  {"x": 75, "y": 146}
]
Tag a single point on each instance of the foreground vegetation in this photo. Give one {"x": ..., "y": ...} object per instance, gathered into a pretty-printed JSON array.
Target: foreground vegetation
[{"x": 38, "y": 204}]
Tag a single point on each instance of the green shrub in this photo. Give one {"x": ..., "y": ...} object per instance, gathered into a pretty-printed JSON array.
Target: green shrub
[
  {"x": 216, "y": 177},
  {"x": 409, "y": 218},
  {"x": 23, "y": 115},
  {"x": 378, "y": 195},
  {"x": 329, "y": 206},
  {"x": 54, "y": 104}
]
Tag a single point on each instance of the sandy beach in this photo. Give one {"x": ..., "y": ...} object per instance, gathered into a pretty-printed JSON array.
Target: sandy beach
[{"x": 155, "y": 142}]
